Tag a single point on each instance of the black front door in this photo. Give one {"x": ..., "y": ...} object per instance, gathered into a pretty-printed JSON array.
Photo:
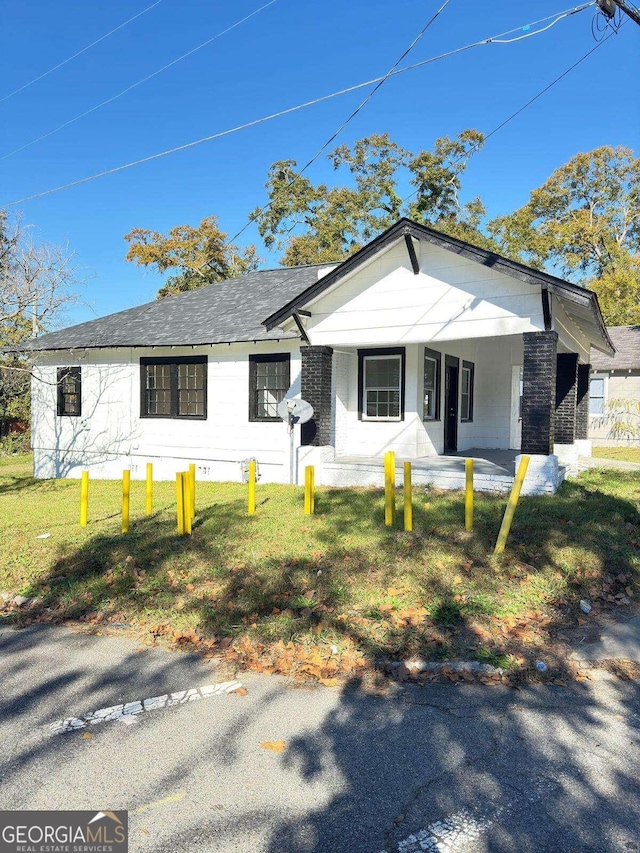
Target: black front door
[{"x": 451, "y": 372}]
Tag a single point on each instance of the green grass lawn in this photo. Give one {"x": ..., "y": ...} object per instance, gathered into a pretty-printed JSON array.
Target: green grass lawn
[
  {"x": 626, "y": 454},
  {"x": 336, "y": 589}
]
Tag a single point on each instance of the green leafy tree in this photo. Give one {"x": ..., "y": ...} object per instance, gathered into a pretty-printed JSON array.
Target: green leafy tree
[
  {"x": 315, "y": 223},
  {"x": 199, "y": 255},
  {"x": 618, "y": 289},
  {"x": 584, "y": 222}
]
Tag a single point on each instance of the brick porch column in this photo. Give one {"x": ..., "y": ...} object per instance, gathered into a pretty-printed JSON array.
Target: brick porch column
[
  {"x": 315, "y": 388},
  {"x": 582, "y": 402},
  {"x": 566, "y": 398},
  {"x": 539, "y": 392}
]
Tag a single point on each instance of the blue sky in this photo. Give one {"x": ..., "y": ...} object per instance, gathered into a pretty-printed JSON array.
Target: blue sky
[{"x": 290, "y": 52}]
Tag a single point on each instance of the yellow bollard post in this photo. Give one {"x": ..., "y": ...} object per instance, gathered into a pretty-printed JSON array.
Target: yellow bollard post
[
  {"x": 505, "y": 527},
  {"x": 468, "y": 494},
  {"x": 408, "y": 498},
  {"x": 307, "y": 490},
  {"x": 126, "y": 491},
  {"x": 252, "y": 487},
  {"x": 149, "y": 502},
  {"x": 84, "y": 499},
  {"x": 312, "y": 489},
  {"x": 187, "y": 502},
  {"x": 390, "y": 488},
  {"x": 192, "y": 484},
  {"x": 180, "y": 503}
]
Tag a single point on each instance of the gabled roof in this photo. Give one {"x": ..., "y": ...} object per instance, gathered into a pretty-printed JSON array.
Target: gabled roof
[
  {"x": 582, "y": 304},
  {"x": 226, "y": 312},
  {"x": 234, "y": 311},
  {"x": 626, "y": 340}
]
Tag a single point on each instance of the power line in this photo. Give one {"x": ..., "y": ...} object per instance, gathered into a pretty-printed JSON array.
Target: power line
[
  {"x": 355, "y": 112},
  {"x": 79, "y": 53},
  {"x": 281, "y": 113},
  {"x": 610, "y": 7},
  {"x": 511, "y": 117},
  {"x": 139, "y": 83},
  {"x": 525, "y": 106}
]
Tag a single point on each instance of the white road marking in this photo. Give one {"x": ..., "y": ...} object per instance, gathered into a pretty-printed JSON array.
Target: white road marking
[
  {"x": 451, "y": 835},
  {"x": 457, "y": 832},
  {"x": 126, "y": 713}
]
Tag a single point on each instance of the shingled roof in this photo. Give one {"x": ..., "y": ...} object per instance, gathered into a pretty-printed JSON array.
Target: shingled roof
[
  {"x": 626, "y": 340},
  {"x": 254, "y": 307},
  {"x": 227, "y": 312}
]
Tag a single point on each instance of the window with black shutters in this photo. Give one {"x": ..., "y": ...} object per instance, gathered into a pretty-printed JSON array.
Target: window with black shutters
[
  {"x": 173, "y": 387},
  {"x": 269, "y": 381},
  {"x": 69, "y": 382}
]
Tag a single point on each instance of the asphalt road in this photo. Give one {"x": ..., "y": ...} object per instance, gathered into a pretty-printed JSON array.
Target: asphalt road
[{"x": 467, "y": 768}]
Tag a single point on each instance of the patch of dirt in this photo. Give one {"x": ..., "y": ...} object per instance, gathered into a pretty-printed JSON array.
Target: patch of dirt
[
  {"x": 573, "y": 627},
  {"x": 627, "y": 670}
]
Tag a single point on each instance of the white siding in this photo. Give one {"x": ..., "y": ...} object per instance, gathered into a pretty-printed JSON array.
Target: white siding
[
  {"x": 110, "y": 434},
  {"x": 618, "y": 386},
  {"x": 454, "y": 305},
  {"x": 490, "y": 428},
  {"x": 452, "y": 298}
]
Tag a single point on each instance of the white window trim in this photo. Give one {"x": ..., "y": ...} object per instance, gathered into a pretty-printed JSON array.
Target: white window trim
[
  {"x": 365, "y": 359},
  {"x": 605, "y": 392}
]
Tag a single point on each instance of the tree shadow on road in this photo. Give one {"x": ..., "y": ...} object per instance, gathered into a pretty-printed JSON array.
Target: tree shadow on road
[{"x": 402, "y": 769}]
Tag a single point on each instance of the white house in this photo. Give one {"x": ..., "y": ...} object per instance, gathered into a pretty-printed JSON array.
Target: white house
[
  {"x": 615, "y": 385},
  {"x": 418, "y": 343}
]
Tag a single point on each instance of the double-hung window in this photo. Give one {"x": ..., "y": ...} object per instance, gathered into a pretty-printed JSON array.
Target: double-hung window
[
  {"x": 69, "y": 382},
  {"x": 269, "y": 381},
  {"x": 431, "y": 399},
  {"x": 596, "y": 395},
  {"x": 381, "y": 384},
  {"x": 466, "y": 392},
  {"x": 174, "y": 387}
]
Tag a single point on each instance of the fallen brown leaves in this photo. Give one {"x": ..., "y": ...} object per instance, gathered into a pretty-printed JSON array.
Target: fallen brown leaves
[{"x": 300, "y": 661}]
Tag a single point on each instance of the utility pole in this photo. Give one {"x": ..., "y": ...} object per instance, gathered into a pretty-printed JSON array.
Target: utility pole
[{"x": 610, "y": 7}]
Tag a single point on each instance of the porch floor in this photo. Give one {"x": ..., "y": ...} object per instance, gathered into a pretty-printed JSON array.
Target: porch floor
[
  {"x": 494, "y": 470},
  {"x": 496, "y": 463}
]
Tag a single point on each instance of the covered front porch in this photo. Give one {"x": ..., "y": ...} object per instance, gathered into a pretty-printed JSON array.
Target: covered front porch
[
  {"x": 437, "y": 403},
  {"x": 425, "y": 345},
  {"x": 493, "y": 470}
]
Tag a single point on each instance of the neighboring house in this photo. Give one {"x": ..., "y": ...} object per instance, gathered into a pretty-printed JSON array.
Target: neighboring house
[
  {"x": 615, "y": 385},
  {"x": 418, "y": 343}
]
